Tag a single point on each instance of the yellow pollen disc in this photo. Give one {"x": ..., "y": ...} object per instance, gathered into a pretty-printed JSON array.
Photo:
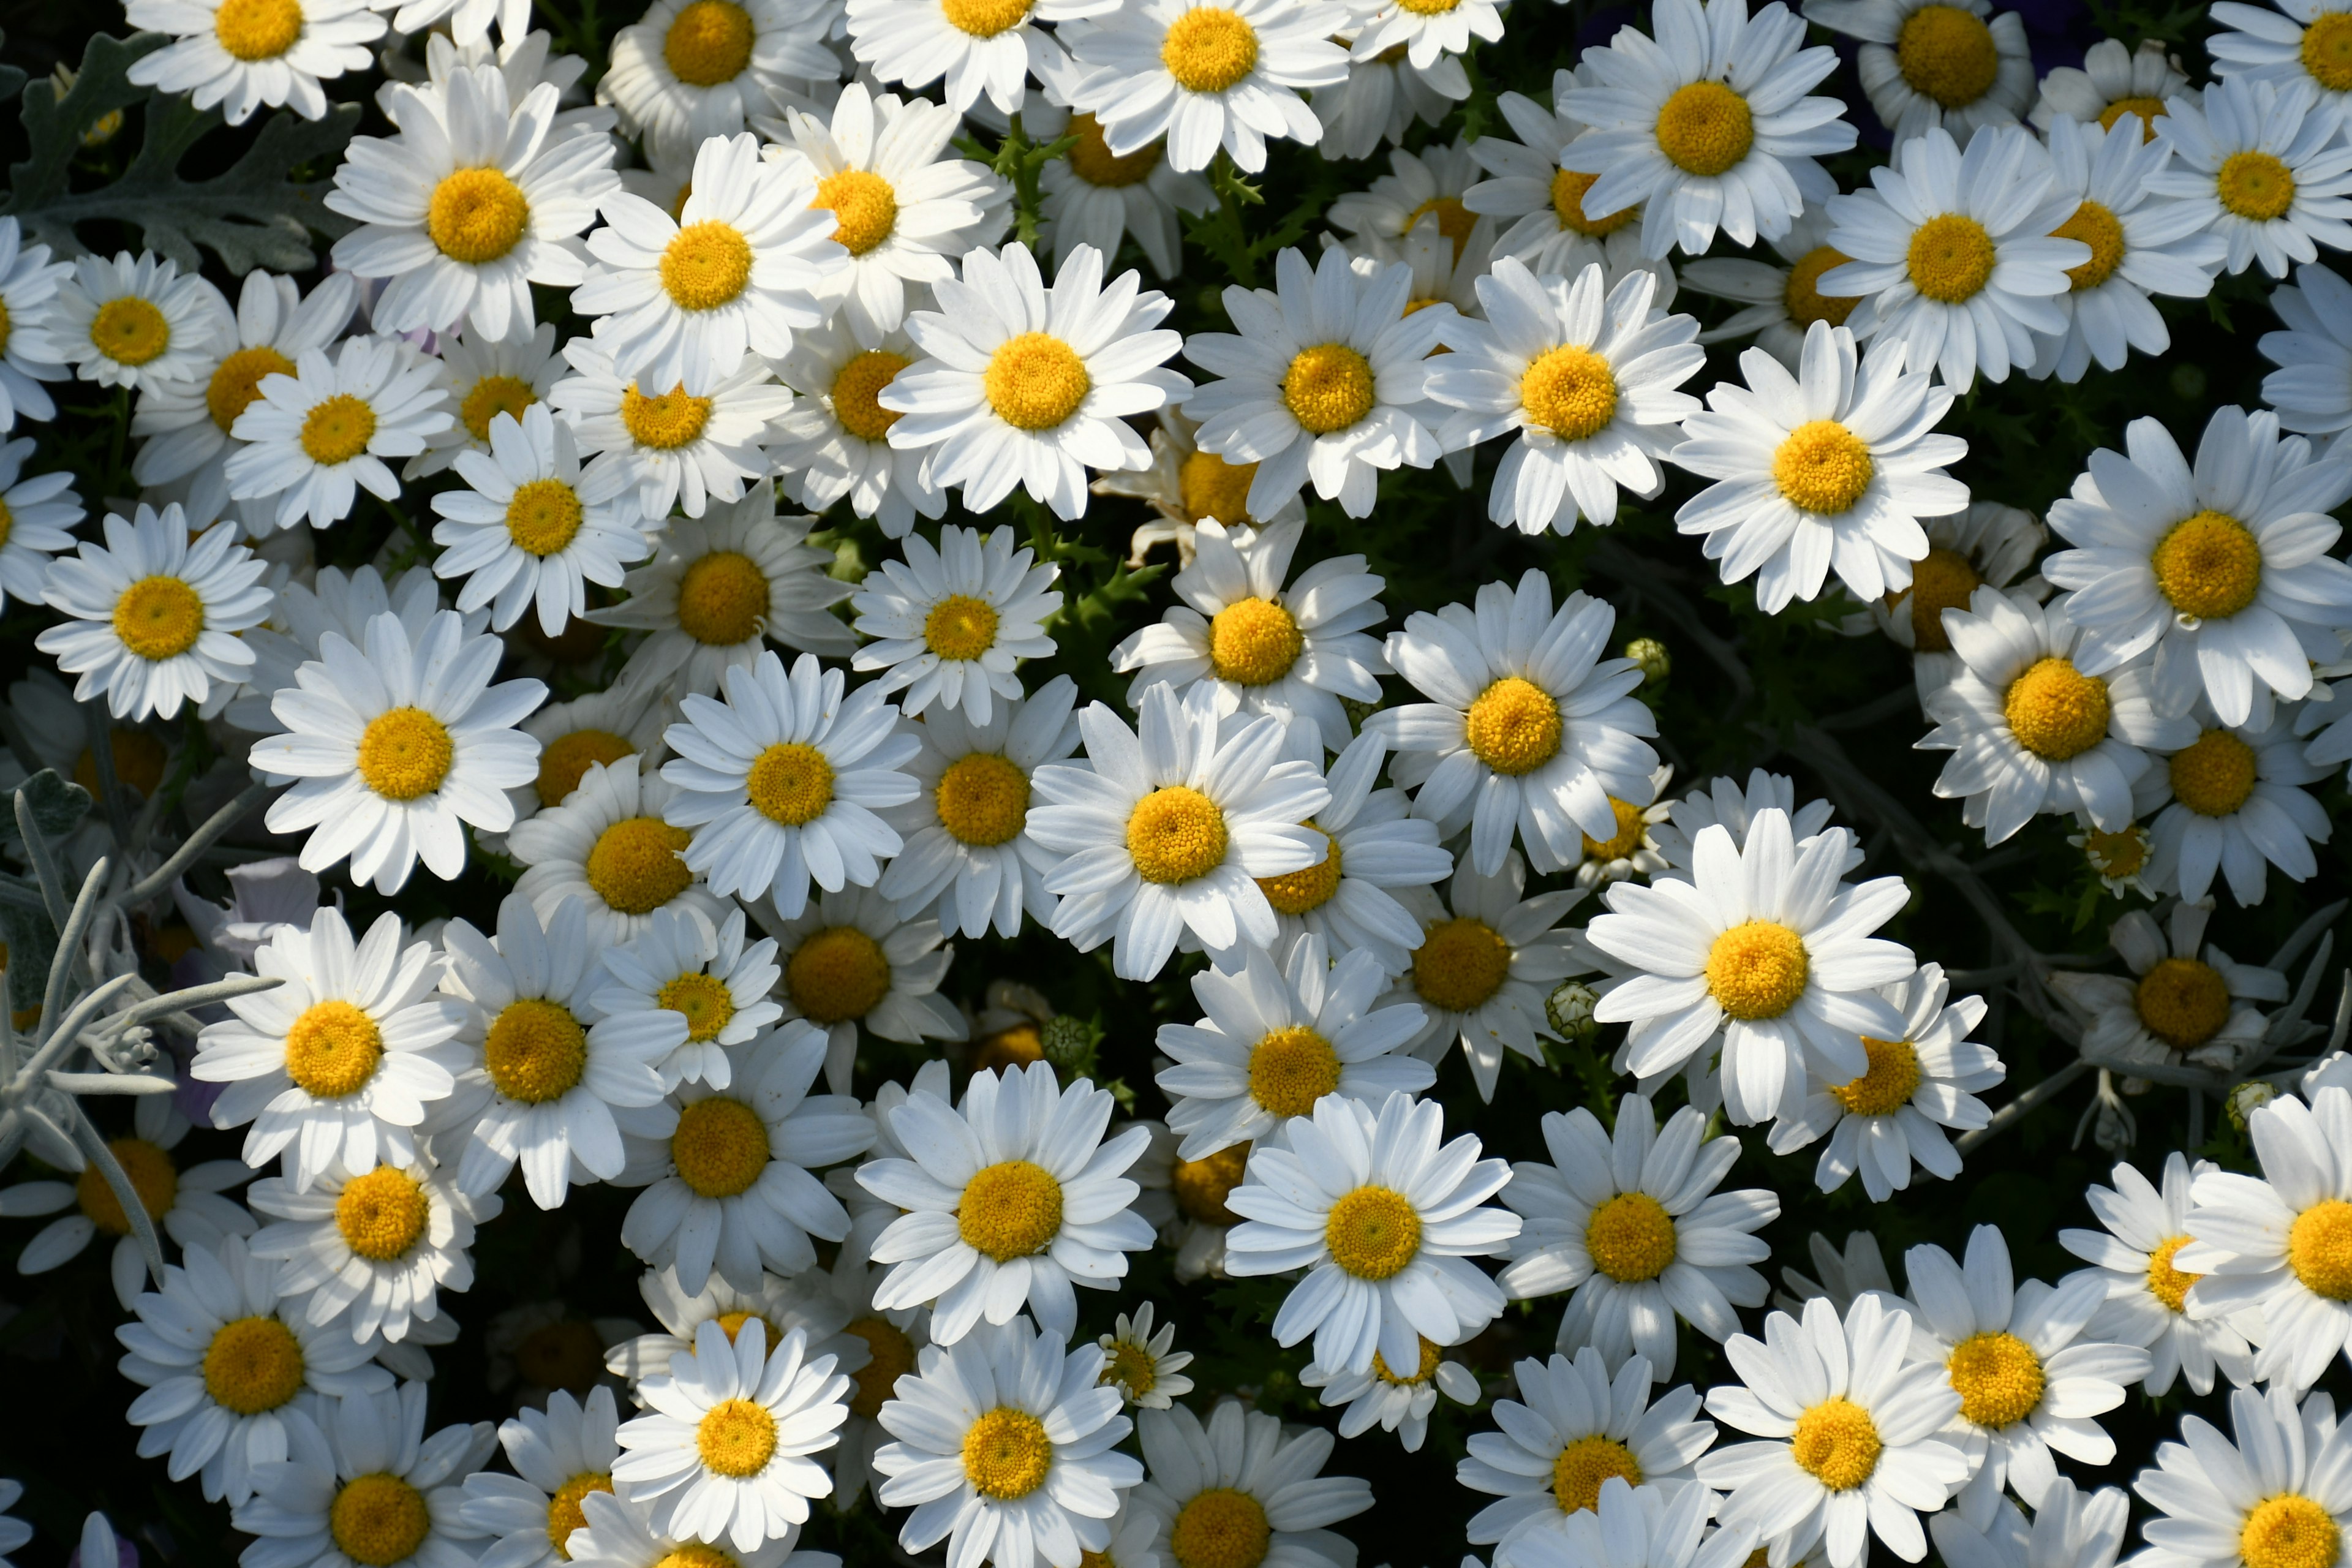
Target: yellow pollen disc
[
  {"x": 1951, "y": 259},
  {"x": 1885, "y": 1086},
  {"x": 129, "y": 331},
  {"x": 1514, "y": 726},
  {"x": 1373, "y": 1232},
  {"x": 790, "y": 783},
  {"x": 733, "y": 1323},
  {"x": 1947, "y": 54},
  {"x": 1012, "y": 1209},
  {"x": 1427, "y": 1369},
  {"x": 404, "y": 753},
  {"x": 253, "y": 1364},
  {"x": 536, "y": 1050},
  {"x": 2097, "y": 227},
  {"x": 666, "y": 423},
  {"x": 2213, "y": 776},
  {"x": 1837, "y": 1444},
  {"x": 543, "y": 517},
  {"x": 1254, "y": 642},
  {"x": 152, "y": 1176},
  {"x": 697, "y": 1554},
  {"x": 564, "y": 760},
  {"x": 1211, "y": 486},
  {"x": 2208, "y": 565},
  {"x": 723, "y": 599},
  {"x": 256, "y": 30},
  {"x": 564, "y": 1514},
  {"x": 1327, "y": 388},
  {"x": 1630, "y": 1237},
  {"x": 1202, "y": 1185},
  {"x": 1130, "y": 1366},
  {"x": 1582, "y": 1465},
  {"x": 491, "y": 396},
  {"x": 857, "y": 389},
  {"x": 865, "y": 208},
  {"x": 2319, "y": 1249},
  {"x": 1455, "y": 221},
  {"x": 837, "y": 975},
  {"x": 709, "y": 42},
  {"x": 1822, "y": 467},
  {"x": 736, "y": 1437},
  {"x": 720, "y": 1146},
  {"x": 2290, "y": 1531},
  {"x": 1006, "y": 1453},
  {"x": 1460, "y": 963},
  {"x": 1034, "y": 380},
  {"x": 702, "y": 1000},
  {"x": 1706, "y": 128},
  {"x": 1997, "y": 1377},
  {"x": 2055, "y": 711},
  {"x": 1803, "y": 296},
  {"x": 960, "y": 627},
  {"x": 138, "y": 757},
  {"x": 1291, "y": 1068},
  {"x": 2118, "y": 854},
  {"x": 1631, "y": 829},
  {"x": 1757, "y": 969},
  {"x": 383, "y": 1214},
  {"x": 2183, "y": 1002},
  {"x": 332, "y": 1050},
  {"x": 1295, "y": 892},
  {"x": 1220, "y": 1528},
  {"x": 565, "y": 1354},
  {"x": 637, "y": 865},
  {"x": 1175, "y": 835},
  {"x": 338, "y": 429},
  {"x": 2327, "y": 50},
  {"x": 1570, "y": 392},
  {"x": 2256, "y": 185},
  {"x": 1015, "y": 1046},
  {"x": 891, "y": 1355},
  {"x": 1944, "y": 581},
  {"x": 1092, "y": 160},
  {"x": 476, "y": 216},
  {"x": 2148, "y": 109},
  {"x": 1209, "y": 48},
  {"x": 238, "y": 382},
  {"x": 1567, "y": 188},
  {"x": 2165, "y": 1283},
  {"x": 705, "y": 266},
  {"x": 379, "y": 1520},
  {"x": 6, "y": 326},
  {"x": 985, "y": 18},
  {"x": 159, "y": 617},
  {"x": 983, "y": 800}
]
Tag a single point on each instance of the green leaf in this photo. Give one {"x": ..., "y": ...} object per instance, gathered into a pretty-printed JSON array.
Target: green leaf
[{"x": 57, "y": 805}]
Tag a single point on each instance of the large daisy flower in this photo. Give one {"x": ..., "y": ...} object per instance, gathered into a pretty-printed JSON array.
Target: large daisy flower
[
  {"x": 689, "y": 70},
  {"x": 136, "y": 323},
  {"x": 1398, "y": 1402},
  {"x": 682, "y": 991},
  {"x": 1379, "y": 853},
  {"x": 371, "y": 1250},
  {"x": 1243, "y": 1475},
  {"x": 1936, "y": 63},
  {"x": 676, "y": 449},
  {"x": 835, "y": 442},
  {"x": 950, "y": 621},
  {"x": 852, "y": 962},
  {"x": 2145, "y": 1227},
  {"x": 2233, "y": 801},
  {"x": 1208, "y": 76},
  {"x": 155, "y": 615},
  {"x": 607, "y": 846},
  {"x": 363, "y": 1483},
  {"x": 2270, "y": 1500},
  {"x": 560, "y": 1455},
  {"x": 312, "y": 437},
  {"x": 2261, "y": 165},
  {"x": 2184, "y": 995}
]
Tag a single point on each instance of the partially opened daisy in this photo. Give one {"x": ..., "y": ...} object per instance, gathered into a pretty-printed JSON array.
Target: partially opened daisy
[
  {"x": 1010, "y": 1199},
  {"x": 835, "y": 442},
  {"x": 1208, "y": 76},
  {"x": 135, "y": 321},
  {"x": 560, "y": 1455},
  {"x": 2231, "y": 803},
  {"x": 674, "y": 448},
  {"x": 1356, "y": 898},
  {"x": 681, "y": 991},
  {"x": 2261, "y": 165},
  {"x": 1428, "y": 184},
  {"x": 2276, "y": 1496},
  {"x": 950, "y": 621},
  {"x": 333, "y": 601},
  {"x": 607, "y": 846},
  {"x": 1398, "y": 1402},
  {"x": 371, "y": 1251},
  {"x": 364, "y": 1484},
  {"x": 1094, "y": 196},
  {"x": 2184, "y": 995},
  {"x": 1144, "y": 1366},
  {"x": 1987, "y": 544},
  {"x": 967, "y": 47},
  {"x": 2146, "y": 1226},
  {"x": 689, "y": 70},
  {"x": 2113, "y": 81},
  {"x": 314, "y": 437},
  {"x": 851, "y": 962},
  {"x": 1930, "y": 64},
  {"x": 155, "y": 615},
  {"x": 1184, "y": 486},
  {"x": 1242, "y": 1476},
  {"x": 1384, "y": 1221}
]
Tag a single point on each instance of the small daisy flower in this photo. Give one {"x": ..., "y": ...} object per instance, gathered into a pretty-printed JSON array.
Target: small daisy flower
[
  {"x": 1986, "y": 545},
  {"x": 1428, "y": 184},
  {"x": 1848, "y": 1435},
  {"x": 136, "y": 323},
  {"x": 951, "y": 621},
  {"x": 1185, "y": 485},
  {"x": 1295, "y": 652},
  {"x": 373, "y": 1250},
  {"x": 313, "y": 438},
  {"x": 608, "y": 847},
  {"x": 483, "y": 380},
  {"x": 2117, "y": 859},
  {"x": 1393, "y": 1401},
  {"x": 2231, "y": 802},
  {"x": 2185, "y": 996},
  {"x": 30, "y": 352},
  {"x": 1531, "y": 732},
  {"x": 836, "y": 441},
  {"x": 689, "y": 70},
  {"x": 2270, "y": 1499},
  {"x": 1205, "y": 76},
  {"x": 682, "y": 991},
  {"x": 1383, "y": 1219},
  {"x": 2261, "y": 164},
  {"x": 1844, "y": 488},
  {"x": 1174, "y": 831},
  {"x": 560, "y": 1455},
  {"x": 1779, "y": 298},
  {"x": 364, "y": 1484},
  {"x": 1324, "y": 379},
  {"x": 1144, "y": 1366},
  {"x": 615, "y": 1535},
  {"x": 1093, "y": 196},
  {"x": 850, "y": 961},
  {"x": 1618, "y": 1218},
  {"x": 39, "y": 514},
  {"x": 675, "y": 448},
  {"x": 2114, "y": 81},
  {"x": 1382, "y": 99},
  {"x": 1243, "y": 1477},
  {"x": 2147, "y": 1298},
  {"x": 1936, "y": 63},
  {"x": 968, "y": 46},
  {"x": 1029, "y": 385},
  {"x": 1632, "y": 850},
  {"x": 804, "y": 1302},
  {"x": 1578, "y": 1427},
  {"x": 1539, "y": 203},
  {"x": 155, "y": 615},
  {"x": 2308, "y": 44},
  {"x": 1641, "y": 1527},
  {"x": 226, "y": 1359}
]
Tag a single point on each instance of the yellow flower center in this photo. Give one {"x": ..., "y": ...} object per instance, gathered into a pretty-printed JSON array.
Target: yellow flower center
[
  {"x": 983, "y": 800},
  {"x": 1631, "y": 828},
  {"x": 159, "y": 617},
  {"x": 865, "y": 208},
  {"x": 1092, "y": 160},
  {"x": 1202, "y": 1185},
  {"x": 1803, "y": 296},
  {"x": 1944, "y": 581},
  {"x": 1291, "y": 1068},
  {"x": 476, "y": 216},
  {"x": 2097, "y": 227},
  {"x": 1630, "y": 1237},
  {"x": 2148, "y": 109},
  {"x": 985, "y": 18},
  {"x": 2213, "y": 776},
  {"x": 1706, "y": 128},
  {"x": 2327, "y": 50},
  {"x": 1567, "y": 188},
  {"x": 1373, "y": 1232},
  {"x": 543, "y": 517},
  {"x": 1006, "y": 1453},
  {"x": 1952, "y": 257},
  {"x": 379, "y": 1520},
  {"x": 1036, "y": 380},
  {"x": 404, "y": 753},
  {"x": 570, "y": 1355},
  {"x": 736, "y": 1437},
  {"x": 1885, "y": 1086},
  {"x": 723, "y": 599},
  {"x": 1583, "y": 1465},
  {"x": 1997, "y": 1377},
  {"x": 790, "y": 783},
  {"x": 253, "y": 1364},
  {"x": 637, "y": 865},
  {"x": 1455, "y": 221},
  {"x": 1822, "y": 467},
  {"x": 709, "y": 42},
  {"x": 1254, "y": 642},
  {"x": 2055, "y": 711},
  {"x": 564, "y": 1514},
  {"x": 338, "y": 429},
  {"x": 383, "y": 1214},
  {"x": 564, "y": 760},
  {"x": 1211, "y": 486},
  {"x": 2183, "y": 1002},
  {"x": 705, "y": 266},
  {"x": 720, "y": 1146},
  {"x": 1295, "y": 892},
  {"x": 837, "y": 975},
  {"x": 666, "y": 423},
  {"x": 1012, "y": 1209},
  {"x": 2319, "y": 1249},
  {"x": 1175, "y": 835},
  {"x": 697, "y": 1554},
  {"x": 732, "y": 1323},
  {"x": 333, "y": 1049},
  {"x": 891, "y": 1355},
  {"x": 1015, "y": 1046},
  {"x": 256, "y": 30},
  {"x": 1209, "y": 48},
  {"x": 1460, "y": 965},
  {"x": 1570, "y": 392},
  {"x": 1837, "y": 1444},
  {"x": 491, "y": 396},
  {"x": 2117, "y": 854},
  {"x": 536, "y": 1050},
  {"x": 1514, "y": 726},
  {"x": 2208, "y": 565},
  {"x": 2290, "y": 1531},
  {"x": 1130, "y": 1366},
  {"x": 702, "y": 999},
  {"x": 152, "y": 1176},
  {"x": 1757, "y": 969},
  {"x": 1420, "y": 1374},
  {"x": 129, "y": 331},
  {"x": 960, "y": 627},
  {"x": 2256, "y": 185},
  {"x": 857, "y": 389},
  {"x": 1947, "y": 54},
  {"x": 1220, "y": 1528},
  {"x": 1327, "y": 388},
  {"x": 237, "y": 381},
  {"x": 2165, "y": 1283}
]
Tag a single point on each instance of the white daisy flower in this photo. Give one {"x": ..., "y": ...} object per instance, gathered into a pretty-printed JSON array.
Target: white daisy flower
[
  {"x": 135, "y": 321},
  {"x": 364, "y": 1484},
  {"x": 1029, "y": 385},
  {"x": 676, "y": 449},
  {"x": 1424, "y": 38},
  {"x": 2147, "y": 1298},
  {"x": 804, "y": 1302},
  {"x": 333, "y": 601},
  {"x": 851, "y": 960},
  {"x": 1241, "y": 1477},
  {"x": 1631, "y": 1223},
  {"x": 2273, "y": 1498},
  {"x": 313, "y": 438},
  {"x": 226, "y": 1360},
  {"x": 1004, "y": 1448},
  {"x": 618, "y": 1536},
  {"x": 30, "y": 352},
  {"x": 608, "y": 847},
  {"x": 1092, "y": 195},
  {"x": 1531, "y": 732},
  {"x": 728, "y": 1186},
  {"x": 689, "y": 70},
  {"x": 1780, "y": 299},
  {"x": 155, "y": 615},
  {"x": 1986, "y": 544},
  {"x": 995, "y": 1191},
  {"x": 525, "y": 57},
  {"x": 483, "y": 380},
  {"x": 2186, "y": 996},
  {"x": 1539, "y": 203},
  {"x": 1205, "y": 76},
  {"x": 1428, "y": 184},
  {"x": 2310, "y": 43},
  {"x": 560, "y": 1455},
  {"x": 1325, "y": 379},
  {"x": 2069, "y": 1530},
  {"x": 2222, "y": 569},
  {"x": 1397, "y": 1402},
  {"x": 1171, "y": 832},
  {"x": 2230, "y": 802},
  {"x": 39, "y": 514},
  {"x": 1294, "y": 652},
  {"x": 1576, "y": 1426},
  {"x": 373, "y": 1250},
  {"x": 2114, "y": 81},
  {"x": 1383, "y": 1219},
  {"x": 1145, "y": 1367},
  {"x": 1847, "y": 1274},
  {"x": 968, "y": 46},
  {"x": 1384, "y": 97},
  {"x": 1638, "y": 1527},
  {"x": 1848, "y": 1430},
  {"x": 1587, "y": 383},
  {"x": 951, "y": 621},
  {"x": 1936, "y": 63},
  {"x": 1737, "y": 807},
  {"x": 2261, "y": 165},
  {"x": 681, "y": 991},
  {"x": 1184, "y": 485},
  {"x": 836, "y": 441}
]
